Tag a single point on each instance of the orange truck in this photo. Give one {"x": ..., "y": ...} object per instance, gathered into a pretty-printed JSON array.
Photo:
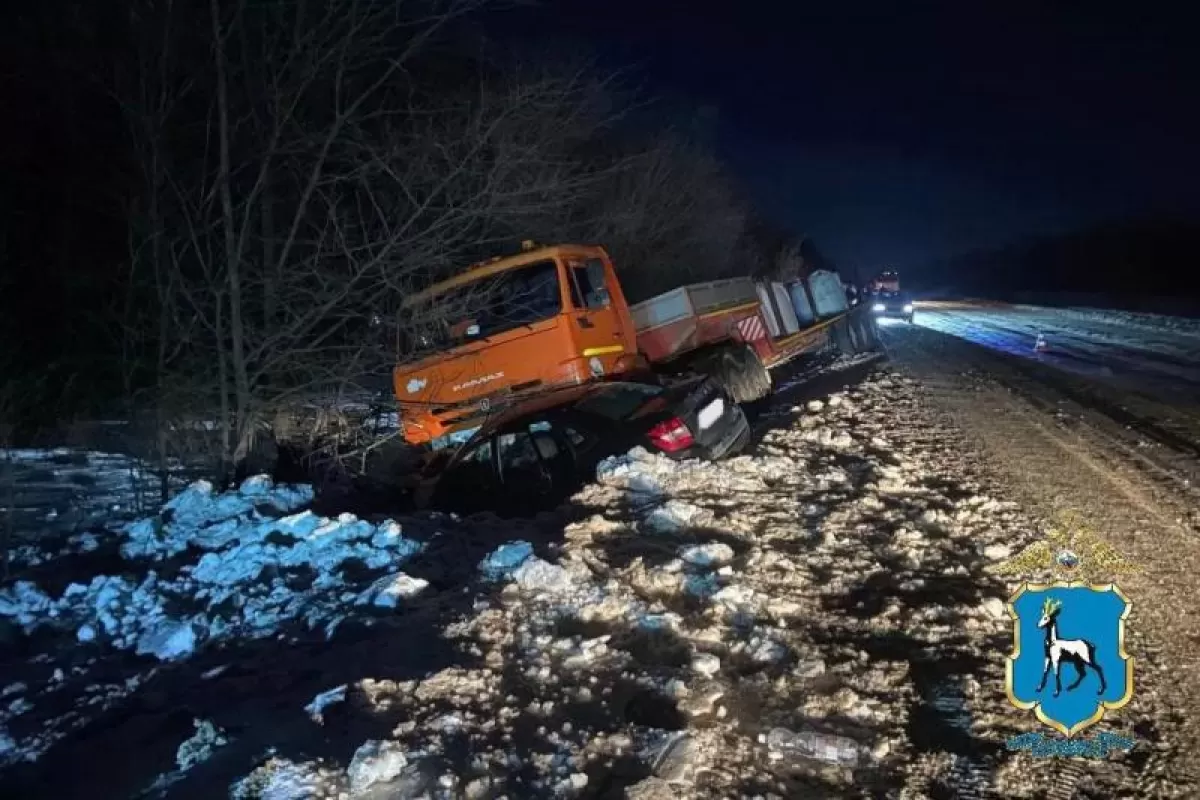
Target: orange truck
[{"x": 548, "y": 317}]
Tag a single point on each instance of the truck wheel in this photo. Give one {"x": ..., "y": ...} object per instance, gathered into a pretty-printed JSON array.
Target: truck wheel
[
  {"x": 733, "y": 377},
  {"x": 869, "y": 333},
  {"x": 758, "y": 375},
  {"x": 844, "y": 337},
  {"x": 726, "y": 369}
]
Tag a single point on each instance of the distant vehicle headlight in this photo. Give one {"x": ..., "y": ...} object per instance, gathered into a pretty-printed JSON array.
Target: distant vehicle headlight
[
  {"x": 879, "y": 307},
  {"x": 907, "y": 307}
]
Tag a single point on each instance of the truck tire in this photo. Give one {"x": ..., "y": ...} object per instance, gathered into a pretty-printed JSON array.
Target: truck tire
[
  {"x": 868, "y": 333},
  {"x": 730, "y": 374},
  {"x": 844, "y": 337},
  {"x": 758, "y": 376}
]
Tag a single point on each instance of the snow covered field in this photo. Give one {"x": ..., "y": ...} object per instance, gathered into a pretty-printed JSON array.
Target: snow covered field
[{"x": 642, "y": 642}]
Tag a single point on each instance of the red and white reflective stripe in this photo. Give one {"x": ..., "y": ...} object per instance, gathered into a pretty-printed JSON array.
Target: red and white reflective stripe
[{"x": 752, "y": 328}]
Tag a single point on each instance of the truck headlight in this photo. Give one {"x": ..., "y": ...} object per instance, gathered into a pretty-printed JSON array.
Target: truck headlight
[
  {"x": 879, "y": 307},
  {"x": 907, "y": 307}
]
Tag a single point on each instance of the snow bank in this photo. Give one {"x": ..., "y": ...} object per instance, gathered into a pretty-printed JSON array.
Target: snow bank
[{"x": 252, "y": 574}]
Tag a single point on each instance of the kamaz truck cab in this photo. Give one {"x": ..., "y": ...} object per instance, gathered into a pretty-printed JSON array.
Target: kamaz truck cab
[{"x": 545, "y": 318}]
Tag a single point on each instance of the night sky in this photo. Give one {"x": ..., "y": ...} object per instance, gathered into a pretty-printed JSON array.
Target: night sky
[{"x": 893, "y": 133}]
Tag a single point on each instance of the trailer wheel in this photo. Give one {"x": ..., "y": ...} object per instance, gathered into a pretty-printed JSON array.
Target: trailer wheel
[
  {"x": 758, "y": 376},
  {"x": 868, "y": 333},
  {"x": 845, "y": 338},
  {"x": 841, "y": 337},
  {"x": 730, "y": 374}
]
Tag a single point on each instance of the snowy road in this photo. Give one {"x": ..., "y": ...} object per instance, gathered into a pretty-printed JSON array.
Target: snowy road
[
  {"x": 1121, "y": 455},
  {"x": 1156, "y": 356}
]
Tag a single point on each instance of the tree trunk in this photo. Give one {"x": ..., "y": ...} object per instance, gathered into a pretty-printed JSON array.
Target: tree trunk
[{"x": 242, "y": 407}]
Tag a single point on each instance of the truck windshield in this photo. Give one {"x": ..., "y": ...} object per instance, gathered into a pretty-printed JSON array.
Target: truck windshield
[{"x": 494, "y": 304}]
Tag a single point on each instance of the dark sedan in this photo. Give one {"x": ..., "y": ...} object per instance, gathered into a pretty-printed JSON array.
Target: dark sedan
[{"x": 534, "y": 456}]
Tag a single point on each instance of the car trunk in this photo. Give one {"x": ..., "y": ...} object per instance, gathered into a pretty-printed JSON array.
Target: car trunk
[{"x": 698, "y": 407}]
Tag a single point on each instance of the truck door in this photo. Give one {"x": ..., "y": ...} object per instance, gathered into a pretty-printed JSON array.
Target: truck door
[{"x": 595, "y": 324}]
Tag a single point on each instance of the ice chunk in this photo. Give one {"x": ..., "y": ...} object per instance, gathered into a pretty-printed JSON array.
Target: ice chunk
[
  {"x": 390, "y": 589},
  {"x": 375, "y": 762},
  {"x": 630, "y": 471},
  {"x": 7, "y": 743},
  {"x": 712, "y": 554},
  {"x": 330, "y": 697},
  {"x": 536, "y": 575},
  {"x": 200, "y": 746},
  {"x": 281, "y": 779},
  {"x": 703, "y": 586},
  {"x": 706, "y": 664},
  {"x": 25, "y": 603},
  {"x": 256, "y": 486},
  {"x": 675, "y": 515},
  {"x": 505, "y": 559},
  {"x": 766, "y": 650},
  {"x": 169, "y": 640}
]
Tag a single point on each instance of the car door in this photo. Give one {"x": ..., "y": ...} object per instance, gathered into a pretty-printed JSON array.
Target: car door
[
  {"x": 528, "y": 484},
  {"x": 596, "y": 326},
  {"x": 471, "y": 482}
]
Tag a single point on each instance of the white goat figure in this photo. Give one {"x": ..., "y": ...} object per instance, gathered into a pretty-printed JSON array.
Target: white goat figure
[{"x": 1080, "y": 653}]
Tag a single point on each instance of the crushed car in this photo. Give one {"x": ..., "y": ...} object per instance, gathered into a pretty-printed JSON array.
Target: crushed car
[{"x": 538, "y": 453}]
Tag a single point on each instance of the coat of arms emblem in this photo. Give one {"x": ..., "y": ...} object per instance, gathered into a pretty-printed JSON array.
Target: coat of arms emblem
[{"x": 1068, "y": 662}]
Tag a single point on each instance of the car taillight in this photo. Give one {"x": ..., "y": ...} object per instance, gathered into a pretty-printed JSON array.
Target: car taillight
[{"x": 671, "y": 435}]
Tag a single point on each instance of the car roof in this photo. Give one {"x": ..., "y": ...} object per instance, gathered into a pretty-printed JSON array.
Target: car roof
[{"x": 547, "y": 401}]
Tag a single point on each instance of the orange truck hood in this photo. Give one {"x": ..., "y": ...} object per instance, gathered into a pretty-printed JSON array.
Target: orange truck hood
[{"x": 440, "y": 394}]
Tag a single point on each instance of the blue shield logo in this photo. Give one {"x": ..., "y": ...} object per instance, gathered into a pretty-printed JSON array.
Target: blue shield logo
[{"x": 1069, "y": 662}]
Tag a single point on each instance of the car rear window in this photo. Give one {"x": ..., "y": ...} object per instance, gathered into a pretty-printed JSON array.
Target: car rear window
[{"x": 617, "y": 402}]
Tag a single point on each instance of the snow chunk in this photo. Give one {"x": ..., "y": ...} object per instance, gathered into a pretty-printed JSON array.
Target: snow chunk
[
  {"x": 995, "y": 608},
  {"x": 706, "y": 664},
  {"x": 702, "y": 586},
  {"x": 168, "y": 641},
  {"x": 258, "y": 573},
  {"x": 25, "y": 603},
  {"x": 281, "y": 779},
  {"x": 375, "y": 762},
  {"x": 505, "y": 559},
  {"x": 766, "y": 650},
  {"x": 200, "y": 746},
  {"x": 997, "y": 552},
  {"x": 631, "y": 471},
  {"x": 199, "y": 508},
  {"x": 7, "y": 745},
  {"x": 390, "y": 589},
  {"x": 712, "y": 554},
  {"x": 675, "y": 515},
  {"x": 536, "y": 575},
  {"x": 330, "y": 697}
]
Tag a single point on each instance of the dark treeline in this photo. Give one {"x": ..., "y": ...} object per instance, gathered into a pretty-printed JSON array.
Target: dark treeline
[
  {"x": 1131, "y": 264},
  {"x": 205, "y": 202}
]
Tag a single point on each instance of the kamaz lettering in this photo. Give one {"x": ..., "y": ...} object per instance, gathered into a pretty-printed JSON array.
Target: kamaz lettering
[{"x": 477, "y": 381}]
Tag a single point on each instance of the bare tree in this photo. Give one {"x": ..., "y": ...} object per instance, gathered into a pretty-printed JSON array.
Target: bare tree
[
  {"x": 326, "y": 175},
  {"x": 670, "y": 216}
]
